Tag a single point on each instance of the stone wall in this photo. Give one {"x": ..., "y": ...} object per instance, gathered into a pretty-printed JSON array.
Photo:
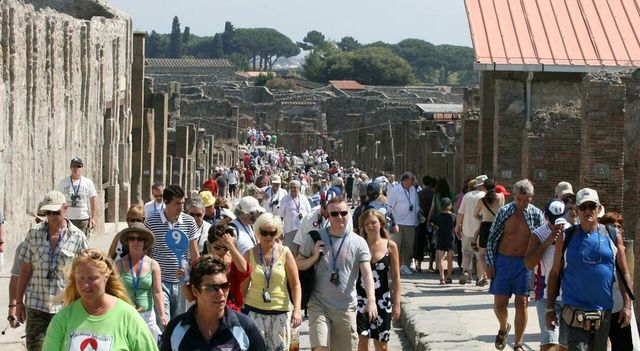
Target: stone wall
[{"x": 64, "y": 92}]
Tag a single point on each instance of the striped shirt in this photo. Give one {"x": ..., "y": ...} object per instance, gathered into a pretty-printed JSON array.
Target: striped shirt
[
  {"x": 532, "y": 215},
  {"x": 160, "y": 251},
  {"x": 36, "y": 251}
]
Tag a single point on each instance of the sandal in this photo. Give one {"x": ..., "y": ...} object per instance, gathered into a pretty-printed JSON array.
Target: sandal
[
  {"x": 441, "y": 281},
  {"x": 448, "y": 281},
  {"x": 518, "y": 348},
  {"x": 501, "y": 338}
]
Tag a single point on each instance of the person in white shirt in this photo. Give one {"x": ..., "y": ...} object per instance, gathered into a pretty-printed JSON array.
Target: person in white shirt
[
  {"x": 195, "y": 208},
  {"x": 404, "y": 202},
  {"x": 156, "y": 205},
  {"x": 293, "y": 208},
  {"x": 273, "y": 195},
  {"x": 232, "y": 178},
  {"x": 82, "y": 198},
  {"x": 246, "y": 212}
]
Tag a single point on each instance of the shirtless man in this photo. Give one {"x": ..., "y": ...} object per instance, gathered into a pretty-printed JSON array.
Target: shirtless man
[{"x": 506, "y": 249}]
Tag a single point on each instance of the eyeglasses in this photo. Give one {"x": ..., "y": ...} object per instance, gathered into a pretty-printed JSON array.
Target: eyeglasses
[
  {"x": 215, "y": 287},
  {"x": 194, "y": 214},
  {"x": 341, "y": 213},
  {"x": 264, "y": 232},
  {"x": 51, "y": 213},
  {"x": 135, "y": 238},
  {"x": 220, "y": 248},
  {"x": 136, "y": 220},
  {"x": 588, "y": 206}
]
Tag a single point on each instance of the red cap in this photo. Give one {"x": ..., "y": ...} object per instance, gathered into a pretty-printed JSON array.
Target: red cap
[{"x": 500, "y": 189}]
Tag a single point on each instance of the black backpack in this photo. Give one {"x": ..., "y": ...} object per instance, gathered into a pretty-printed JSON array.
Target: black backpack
[{"x": 307, "y": 277}]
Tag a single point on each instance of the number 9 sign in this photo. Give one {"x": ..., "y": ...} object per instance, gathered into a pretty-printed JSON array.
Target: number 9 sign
[{"x": 177, "y": 241}]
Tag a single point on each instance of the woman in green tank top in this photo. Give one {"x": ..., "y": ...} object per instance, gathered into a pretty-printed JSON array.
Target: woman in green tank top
[{"x": 140, "y": 275}]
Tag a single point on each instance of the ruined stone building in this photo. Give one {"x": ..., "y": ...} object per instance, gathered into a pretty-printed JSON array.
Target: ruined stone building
[
  {"x": 558, "y": 100},
  {"x": 353, "y": 122},
  {"x": 65, "y": 92}
]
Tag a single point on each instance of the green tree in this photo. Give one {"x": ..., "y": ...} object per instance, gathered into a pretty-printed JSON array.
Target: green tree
[
  {"x": 217, "y": 49},
  {"x": 263, "y": 46},
  {"x": 380, "y": 66},
  {"x": 175, "y": 42},
  {"x": 348, "y": 44},
  {"x": 227, "y": 36},
  {"x": 155, "y": 45},
  {"x": 186, "y": 35},
  {"x": 422, "y": 56},
  {"x": 313, "y": 39},
  {"x": 454, "y": 59}
]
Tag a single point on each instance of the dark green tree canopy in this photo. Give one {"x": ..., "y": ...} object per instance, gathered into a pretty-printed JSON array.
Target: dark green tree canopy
[
  {"x": 313, "y": 39},
  {"x": 175, "y": 42}
]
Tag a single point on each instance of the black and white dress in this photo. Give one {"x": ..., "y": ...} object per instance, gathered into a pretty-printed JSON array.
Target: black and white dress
[{"x": 380, "y": 328}]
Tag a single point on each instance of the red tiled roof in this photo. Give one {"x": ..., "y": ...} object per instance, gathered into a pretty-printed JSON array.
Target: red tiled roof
[
  {"x": 347, "y": 85},
  {"x": 555, "y": 35}
]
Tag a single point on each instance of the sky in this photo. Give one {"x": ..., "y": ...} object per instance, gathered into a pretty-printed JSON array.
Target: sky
[{"x": 435, "y": 21}]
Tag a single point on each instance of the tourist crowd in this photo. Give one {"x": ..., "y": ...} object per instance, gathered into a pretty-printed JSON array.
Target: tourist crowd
[{"x": 239, "y": 263}]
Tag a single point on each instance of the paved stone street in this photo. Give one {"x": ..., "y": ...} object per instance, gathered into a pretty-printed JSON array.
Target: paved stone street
[{"x": 454, "y": 316}]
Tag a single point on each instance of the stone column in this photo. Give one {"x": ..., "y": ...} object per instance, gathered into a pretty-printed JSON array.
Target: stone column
[
  {"x": 137, "y": 115},
  {"x": 487, "y": 125},
  {"x": 177, "y": 172},
  {"x": 159, "y": 103},
  {"x": 148, "y": 154},
  {"x": 508, "y": 136}
]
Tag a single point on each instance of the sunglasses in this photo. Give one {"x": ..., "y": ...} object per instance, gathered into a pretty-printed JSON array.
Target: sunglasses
[
  {"x": 135, "y": 238},
  {"x": 220, "y": 248},
  {"x": 136, "y": 220},
  {"x": 268, "y": 233},
  {"x": 51, "y": 213},
  {"x": 341, "y": 213},
  {"x": 76, "y": 166},
  {"x": 215, "y": 287},
  {"x": 589, "y": 206},
  {"x": 193, "y": 214}
]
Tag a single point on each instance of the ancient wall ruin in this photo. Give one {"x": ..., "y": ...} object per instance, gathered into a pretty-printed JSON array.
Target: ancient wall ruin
[{"x": 64, "y": 92}]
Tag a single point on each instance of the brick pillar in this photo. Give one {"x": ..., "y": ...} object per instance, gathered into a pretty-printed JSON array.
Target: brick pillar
[
  {"x": 486, "y": 124},
  {"x": 602, "y": 141},
  {"x": 632, "y": 171},
  {"x": 510, "y": 122}
]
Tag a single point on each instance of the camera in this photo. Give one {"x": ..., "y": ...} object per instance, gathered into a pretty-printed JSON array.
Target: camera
[{"x": 411, "y": 208}]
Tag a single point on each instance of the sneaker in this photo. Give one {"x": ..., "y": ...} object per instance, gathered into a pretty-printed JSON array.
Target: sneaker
[
  {"x": 405, "y": 270},
  {"x": 465, "y": 278}
]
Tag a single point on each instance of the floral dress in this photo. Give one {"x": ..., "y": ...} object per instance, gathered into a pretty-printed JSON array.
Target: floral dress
[{"x": 380, "y": 328}]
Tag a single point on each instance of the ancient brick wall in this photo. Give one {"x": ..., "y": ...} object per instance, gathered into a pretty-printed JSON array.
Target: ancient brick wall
[
  {"x": 602, "y": 138},
  {"x": 510, "y": 129},
  {"x": 554, "y": 138},
  {"x": 64, "y": 92}
]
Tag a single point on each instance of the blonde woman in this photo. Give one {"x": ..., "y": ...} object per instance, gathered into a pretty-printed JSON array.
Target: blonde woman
[
  {"x": 267, "y": 300},
  {"x": 98, "y": 312}
]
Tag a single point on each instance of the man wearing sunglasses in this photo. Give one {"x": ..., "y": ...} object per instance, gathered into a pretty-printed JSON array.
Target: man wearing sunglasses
[
  {"x": 48, "y": 250},
  {"x": 339, "y": 257},
  {"x": 589, "y": 258},
  {"x": 156, "y": 205},
  {"x": 82, "y": 198}
]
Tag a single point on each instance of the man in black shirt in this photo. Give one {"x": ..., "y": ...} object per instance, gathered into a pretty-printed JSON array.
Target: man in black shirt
[{"x": 423, "y": 234}]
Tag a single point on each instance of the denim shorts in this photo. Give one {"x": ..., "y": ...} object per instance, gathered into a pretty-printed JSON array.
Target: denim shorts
[{"x": 547, "y": 336}]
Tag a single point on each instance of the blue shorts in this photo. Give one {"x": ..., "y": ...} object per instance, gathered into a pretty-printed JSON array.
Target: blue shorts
[{"x": 510, "y": 276}]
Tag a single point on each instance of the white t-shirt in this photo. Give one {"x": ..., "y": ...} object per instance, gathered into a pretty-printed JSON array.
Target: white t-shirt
[
  {"x": 546, "y": 262},
  {"x": 245, "y": 239},
  {"x": 78, "y": 194},
  {"x": 232, "y": 177},
  {"x": 291, "y": 209},
  {"x": 470, "y": 224},
  {"x": 272, "y": 199},
  {"x": 404, "y": 203},
  {"x": 152, "y": 207}
]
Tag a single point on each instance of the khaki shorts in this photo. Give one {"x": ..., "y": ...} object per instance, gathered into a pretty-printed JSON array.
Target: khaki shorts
[{"x": 340, "y": 324}]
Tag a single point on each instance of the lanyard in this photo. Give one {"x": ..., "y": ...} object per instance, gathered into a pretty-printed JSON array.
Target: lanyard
[
  {"x": 77, "y": 187},
  {"x": 296, "y": 203},
  {"x": 52, "y": 252},
  {"x": 407, "y": 193},
  {"x": 135, "y": 280},
  {"x": 335, "y": 257},
  {"x": 249, "y": 232},
  {"x": 267, "y": 275}
]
